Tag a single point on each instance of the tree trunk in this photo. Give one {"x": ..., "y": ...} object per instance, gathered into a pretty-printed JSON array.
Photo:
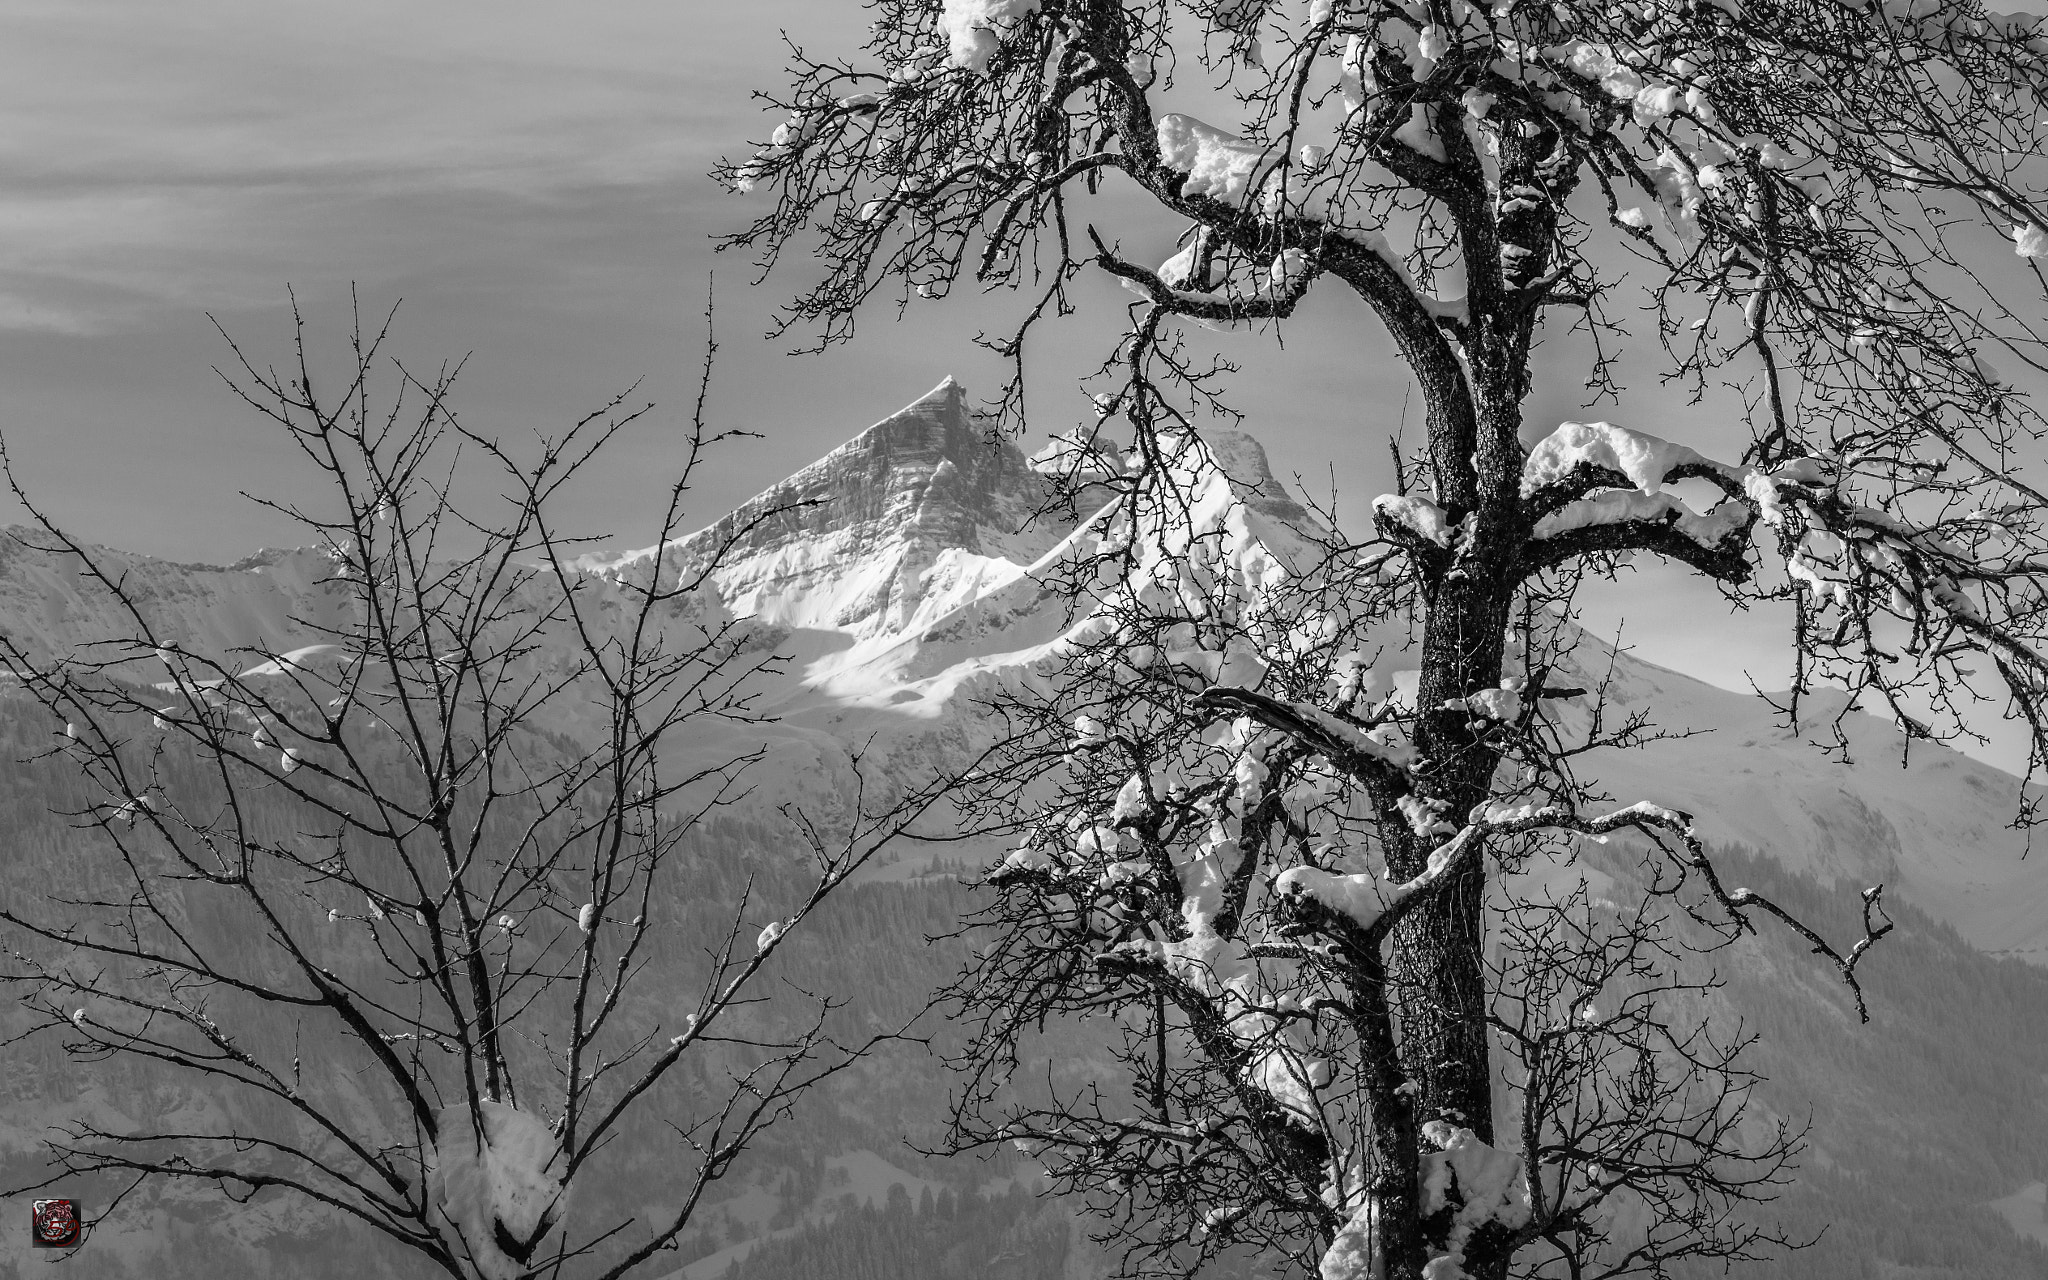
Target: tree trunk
[
  {"x": 1436, "y": 969},
  {"x": 1438, "y": 980}
]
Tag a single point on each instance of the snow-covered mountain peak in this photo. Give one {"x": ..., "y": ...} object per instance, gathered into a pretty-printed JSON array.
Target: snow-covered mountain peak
[
  {"x": 921, "y": 514},
  {"x": 890, "y": 527}
]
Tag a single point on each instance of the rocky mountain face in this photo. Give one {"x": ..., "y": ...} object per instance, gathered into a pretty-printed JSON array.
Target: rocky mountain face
[{"x": 915, "y": 562}]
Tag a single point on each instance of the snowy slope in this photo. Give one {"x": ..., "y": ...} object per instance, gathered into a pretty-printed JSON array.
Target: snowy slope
[
  {"x": 1933, "y": 825},
  {"x": 1934, "y": 829},
  {"x": 1019, "y": 616}
]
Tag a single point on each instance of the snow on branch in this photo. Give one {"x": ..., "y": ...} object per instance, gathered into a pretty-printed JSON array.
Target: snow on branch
[
  {"x": 1594, "y": 486},
  {"x": 1650, "y": 819},
  {"x": 1624, "y": 506},
  {"x": 1410, "y": 518},
  {"x": 1219, "y": 308},
  {"x": 1492, "y": 1187},
  {"x": 1647, "y": 461},
  {"x": 974, "y": 28},
  {"x": 1340, "y": 740},
  {"x": 1358, "y": 898},
  {"x": 1361, "y": 901},
  {"x": 1218, "y": 165}
]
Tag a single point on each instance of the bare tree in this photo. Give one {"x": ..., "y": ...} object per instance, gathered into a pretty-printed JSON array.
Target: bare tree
[
  {"x": 394, "y": 896},
  {"x": 1814, "y": 202}
]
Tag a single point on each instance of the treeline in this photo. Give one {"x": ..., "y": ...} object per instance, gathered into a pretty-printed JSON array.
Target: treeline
[{"x": 1012, "y": 1236}]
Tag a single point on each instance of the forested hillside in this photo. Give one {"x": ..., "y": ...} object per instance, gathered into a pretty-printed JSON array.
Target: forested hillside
[
  {"x": 1919, "y": 1120},
  {"x": 1007, "y": 1236}
]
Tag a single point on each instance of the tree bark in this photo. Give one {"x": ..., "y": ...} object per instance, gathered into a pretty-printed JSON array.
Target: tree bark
[{"x": 1437, "y": 976}]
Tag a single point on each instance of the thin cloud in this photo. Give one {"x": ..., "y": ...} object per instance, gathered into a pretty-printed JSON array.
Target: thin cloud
[{"x": 202, "y": 152}]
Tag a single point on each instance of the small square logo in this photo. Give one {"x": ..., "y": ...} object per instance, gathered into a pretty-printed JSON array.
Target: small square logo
[{"x": 56, "y": 1224}]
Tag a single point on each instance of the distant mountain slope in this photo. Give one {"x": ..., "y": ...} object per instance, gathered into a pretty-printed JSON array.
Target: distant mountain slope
[
  {"x": 1934, "y": 824},
  {"x": 1935, "y": 828},
  {"x": 49, "y": 605}
]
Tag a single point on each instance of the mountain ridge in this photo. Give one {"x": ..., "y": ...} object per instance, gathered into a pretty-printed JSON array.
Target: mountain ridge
[{"x": 916, "y": 561}]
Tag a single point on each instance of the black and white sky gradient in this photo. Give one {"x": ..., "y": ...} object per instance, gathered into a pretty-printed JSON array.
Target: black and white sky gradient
[{"x": 530, "y": 177}]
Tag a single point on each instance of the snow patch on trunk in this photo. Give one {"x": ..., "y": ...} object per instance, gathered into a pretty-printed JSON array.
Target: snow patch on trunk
[{"x": 496, "y": 1198}]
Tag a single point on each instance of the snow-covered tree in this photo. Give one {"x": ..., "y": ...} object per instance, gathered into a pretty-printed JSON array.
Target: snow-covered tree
[
  {"x": 1213, "y": 773},
  {"x": 1831, "y": 206},
  {"x": 395, "y": 901}
]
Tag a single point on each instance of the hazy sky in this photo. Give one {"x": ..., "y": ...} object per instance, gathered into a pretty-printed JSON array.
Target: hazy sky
[{"x": 530, "y": 179}]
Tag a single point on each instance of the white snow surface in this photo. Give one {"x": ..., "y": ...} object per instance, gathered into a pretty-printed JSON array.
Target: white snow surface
[
  {"x": 1356, "y": 1253},
  {"x": 1617, "y": 506},
  {"x": 1487, "y": 1180},
  {"x": 1357, "y": 895},
  {"x": 974, "y": 28},
  {"x": 1478, "y": 1182},
  {"x": 1417, "y": 514},
  {"x": 511, "y": 1180},
  {"x": 1219, "y": 165}
]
